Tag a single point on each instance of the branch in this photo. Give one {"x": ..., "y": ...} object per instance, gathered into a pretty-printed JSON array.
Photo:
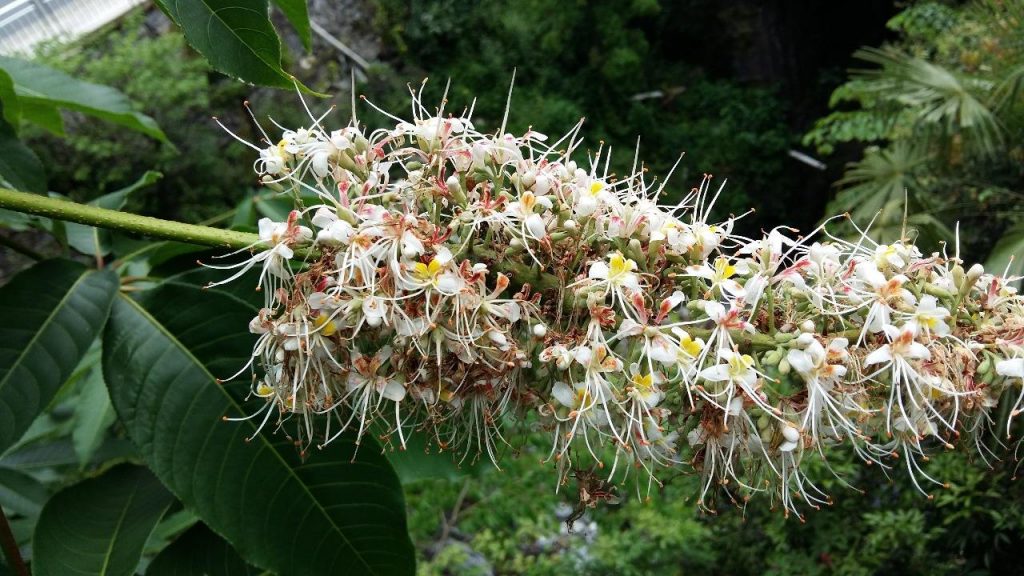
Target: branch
[{"x": 115, "y": 220}]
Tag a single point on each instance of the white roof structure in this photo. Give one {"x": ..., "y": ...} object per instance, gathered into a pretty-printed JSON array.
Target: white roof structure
[{"x": 25, "y": 23}]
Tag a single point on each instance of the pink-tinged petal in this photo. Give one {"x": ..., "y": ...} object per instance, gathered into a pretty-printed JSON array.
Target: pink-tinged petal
[{"x": 629, "y": 327}]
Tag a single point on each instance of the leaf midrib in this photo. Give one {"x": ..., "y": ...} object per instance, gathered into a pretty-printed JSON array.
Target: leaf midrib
[
  {"x": 274, "y": 67},
  {"x": 49, "y": 318},
  {"x": 161, "y": 328},
  {"x": 117, "y": 530}
]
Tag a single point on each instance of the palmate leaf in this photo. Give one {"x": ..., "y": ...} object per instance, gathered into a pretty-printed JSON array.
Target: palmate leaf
[
  {"x": 99, "y": 526},
  {"x": 342, "y": 509},
  {"x": 52, "y": 312},
  {"x": 883, "y": 176},
  {"x": 235, "y": 36},
  {"x": 934, "y": 95}
]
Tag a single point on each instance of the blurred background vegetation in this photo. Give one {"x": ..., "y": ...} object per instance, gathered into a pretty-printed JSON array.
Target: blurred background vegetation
[{"x": 877, "y": 108}]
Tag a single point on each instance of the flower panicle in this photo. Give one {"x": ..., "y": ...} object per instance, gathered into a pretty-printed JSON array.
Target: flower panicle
[{"x": 434, "y": 279}]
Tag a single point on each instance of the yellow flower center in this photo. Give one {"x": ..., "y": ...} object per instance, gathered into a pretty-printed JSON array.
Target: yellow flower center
[
  {"x": 596, "y": 188},
  {"x": 689, "y": 347},
  {"x": 619, "y": 266},
  {"x": 724, "y": 270},
  {"x": 582, "y": 398},
  {"x": 325, "y": 324},
  {"x": 643, "y": 382},
  {"x": 738, "y": 365},
  {"x": 427, "y": 273},
  {"x": 528, "y": 201}
]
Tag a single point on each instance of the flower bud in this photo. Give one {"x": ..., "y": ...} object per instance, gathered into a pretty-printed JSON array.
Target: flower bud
[{"x": 975, "y": 272}]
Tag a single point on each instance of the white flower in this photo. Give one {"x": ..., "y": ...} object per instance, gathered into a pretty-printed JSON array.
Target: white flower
[
  {"x": 374, "y": 310},
  {"x": 617, "y": 272},
  {"x": 364, "y": 376},
  {"x": 813, "y": 363},
  {"x": 559, "y": 354},
  {"x": 902, "y": 344},
  {"x": 738, "y": 368},
  {"x": 644, "y": 387},
  {"x": 333, "y": 230},
  {"x": 930, "y": 317},
  {"x": 721, "y": 275},
  {"x": 1012, "y": 368}
]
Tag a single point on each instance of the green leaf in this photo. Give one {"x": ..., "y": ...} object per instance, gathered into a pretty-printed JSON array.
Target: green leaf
[
  {"x": 420, "y": 461},
  {"x": 9, "y": 101},
  {"x": 20, "y": 168},
  {"x": 44, "y": 114},
  {"x": 93, "y": 416},
  {"x": 21, "y": 493},
  {"x": 61, "y": 453},
  {"x": 94, "y": 241},
  {"x": 197, "y": 552},
  {"x": 35, "y": 83},
  {"x": 298, "y": 15},
  {"x": 1008, "y": 254},
  {"x": 235, "y": 36},
  {"x": 174, "y": 524},
  {"x": 244, "y": 217},
  {"x": 51, "y": 314},
  {"x": 343, "y": 509},
  {"x": 99, "y": 526},
  {"x": 241, "y": 290}
]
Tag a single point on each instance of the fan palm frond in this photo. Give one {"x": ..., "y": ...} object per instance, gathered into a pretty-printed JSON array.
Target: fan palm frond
[
  {"x": 883, "y": 175},
  {"x": 938, "y": 98}
]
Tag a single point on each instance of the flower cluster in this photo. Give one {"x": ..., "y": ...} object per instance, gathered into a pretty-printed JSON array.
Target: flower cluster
[{"x": 466, "y": 286}]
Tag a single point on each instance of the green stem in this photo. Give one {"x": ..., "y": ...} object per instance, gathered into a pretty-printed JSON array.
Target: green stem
[{"x": 114, "y": 220}]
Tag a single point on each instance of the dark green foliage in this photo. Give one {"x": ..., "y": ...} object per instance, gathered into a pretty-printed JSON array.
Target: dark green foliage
[
  {"x": 976, "y": 526},
  {"x": 99, "y": 526},
  {"x": 207, "y": 172},
  {"x": 340, "y": 507},
  {"x": 595, "y": 60},
  {"x": 52, "y": 314},
  {"x": 942, "y": 113},
  {"x": 199, "y": 551}
]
